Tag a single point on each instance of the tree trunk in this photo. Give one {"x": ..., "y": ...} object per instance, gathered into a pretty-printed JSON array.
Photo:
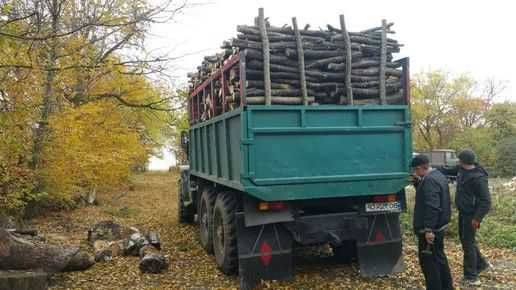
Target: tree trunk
[
  {"x": 17, "y": 253},
  {"x": 48, "y": 105}
]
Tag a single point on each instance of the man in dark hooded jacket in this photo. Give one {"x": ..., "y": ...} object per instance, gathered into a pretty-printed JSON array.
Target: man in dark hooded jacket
[
  {"x": 432, "y": 211},
  {"x": 473, "y": 202}
]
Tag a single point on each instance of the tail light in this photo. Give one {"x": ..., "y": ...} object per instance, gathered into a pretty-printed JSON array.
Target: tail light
[
  {"x": 385, "y": 198},
  {"x": 273, "y": 205}
]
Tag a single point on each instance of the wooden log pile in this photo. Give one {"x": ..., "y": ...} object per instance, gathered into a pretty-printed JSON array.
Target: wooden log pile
[
  {"x": 110, "y": 240},
  {"x": 289, "y": 65}
]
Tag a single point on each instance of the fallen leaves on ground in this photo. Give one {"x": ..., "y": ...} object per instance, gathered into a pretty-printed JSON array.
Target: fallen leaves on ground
[{"x": 152, "y": 205}]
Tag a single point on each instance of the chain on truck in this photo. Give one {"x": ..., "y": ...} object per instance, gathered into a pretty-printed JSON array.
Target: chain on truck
[{"x": 298, "y": 138}]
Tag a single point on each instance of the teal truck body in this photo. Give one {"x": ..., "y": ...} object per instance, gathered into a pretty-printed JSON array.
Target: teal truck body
[{"x": 305, "y": 152}]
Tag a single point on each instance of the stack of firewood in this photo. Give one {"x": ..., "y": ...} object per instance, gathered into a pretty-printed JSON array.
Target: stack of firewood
[{"x": 338, "y": 65}]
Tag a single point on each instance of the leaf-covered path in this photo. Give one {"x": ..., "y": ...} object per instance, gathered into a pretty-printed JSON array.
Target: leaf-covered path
[{"x": 151, "y": 203}]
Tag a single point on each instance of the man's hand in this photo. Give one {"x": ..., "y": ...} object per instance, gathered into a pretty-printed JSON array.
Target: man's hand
[
  {"x": 429, "y": 237},
  {"x": 475, "y": 224}
]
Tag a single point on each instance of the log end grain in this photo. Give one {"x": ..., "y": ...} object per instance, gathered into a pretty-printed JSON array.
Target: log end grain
[{"x": 153, "y": 263}]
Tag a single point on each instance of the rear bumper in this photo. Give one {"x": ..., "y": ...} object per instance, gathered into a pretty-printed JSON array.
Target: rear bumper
[
  {"x": 338, "y": 227},
  {"x": 265, "y": 251}
]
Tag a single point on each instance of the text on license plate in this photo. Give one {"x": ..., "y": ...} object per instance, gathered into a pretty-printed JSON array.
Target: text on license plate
[{"x": 383, "y": 206}]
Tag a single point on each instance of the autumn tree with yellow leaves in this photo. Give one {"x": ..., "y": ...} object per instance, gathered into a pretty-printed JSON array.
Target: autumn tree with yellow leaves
[{"x": 82, "y": 102}]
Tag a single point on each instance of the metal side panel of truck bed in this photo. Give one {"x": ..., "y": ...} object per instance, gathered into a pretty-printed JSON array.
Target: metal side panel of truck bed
[{"x": 305, "y": 152}]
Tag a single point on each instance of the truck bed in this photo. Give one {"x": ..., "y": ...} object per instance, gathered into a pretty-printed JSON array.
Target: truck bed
[{"x": 305, "y": 152}]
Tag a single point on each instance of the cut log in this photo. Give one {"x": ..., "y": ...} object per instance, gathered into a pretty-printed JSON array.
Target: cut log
[
  {"x": 383, "y": 60},
  {"x": 365, "y": 63},
  {"x": 313, "y": 53},
  {"x": 325, "y": 61},
  {"x": 17, "y": 253},
  {"x": 134, "y": 243},
  {"x": 80, "y": 261},
  {"x": 154, "y": 239},
  {"x": 266, "y": 56},
  {"x": 105, "y": 230},
  {"x": 102, "y": 251},
  {"x": 253, "y": 54},
  {"x": 279, "y": 100},
  {"x": 301, "y": 62},
  {"x": 348, "y": 61},
  {"x": 23, "y": 280},
  {"x": 152, "y": 261}
]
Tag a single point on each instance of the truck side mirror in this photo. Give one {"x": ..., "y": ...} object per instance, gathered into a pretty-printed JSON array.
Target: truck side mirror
[{"x": 184, "y": 140}]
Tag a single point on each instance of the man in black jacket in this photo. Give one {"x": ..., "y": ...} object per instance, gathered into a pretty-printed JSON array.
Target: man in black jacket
[
  {"x": 432, "y": 212},
  {"x": 473, "y": 202}
]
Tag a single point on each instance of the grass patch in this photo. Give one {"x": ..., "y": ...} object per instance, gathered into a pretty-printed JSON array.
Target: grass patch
[{"x": 498, "y": 228}]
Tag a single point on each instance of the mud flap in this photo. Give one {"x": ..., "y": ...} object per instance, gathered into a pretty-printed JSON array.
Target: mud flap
[
  {"x": 380, "y": 251},
  {"x": 264, "y": 252}
]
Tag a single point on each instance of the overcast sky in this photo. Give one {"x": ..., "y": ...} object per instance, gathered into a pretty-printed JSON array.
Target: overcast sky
[{"x": 477, "y": 37}]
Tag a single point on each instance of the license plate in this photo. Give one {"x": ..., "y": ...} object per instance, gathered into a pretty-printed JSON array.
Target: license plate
[{"x": 383, "y": 206}]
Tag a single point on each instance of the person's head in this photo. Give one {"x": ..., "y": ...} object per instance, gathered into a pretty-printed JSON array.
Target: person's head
[
  {"x": 421, "y": 165},
  {"x": 467, "y": 158}
]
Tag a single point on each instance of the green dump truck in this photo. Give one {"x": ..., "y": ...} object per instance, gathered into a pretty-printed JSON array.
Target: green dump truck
[{"x": 265, "y": 178}]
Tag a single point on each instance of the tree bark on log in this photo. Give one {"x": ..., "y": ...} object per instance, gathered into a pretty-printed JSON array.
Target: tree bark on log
[
  {"x": 151, "y": 260},
  {"x": 266, "y": 56},
  {"x": 23, "y": 280},
  {"x": 279, "y": 100},
  {"x": 17, "y": 253}
]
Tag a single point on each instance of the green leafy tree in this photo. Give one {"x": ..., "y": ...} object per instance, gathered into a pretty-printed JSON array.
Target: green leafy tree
[
  {"x": 502, "y": 119},
  {"x": 442, "y": 106},
  {"x": 506, "y": 157}
]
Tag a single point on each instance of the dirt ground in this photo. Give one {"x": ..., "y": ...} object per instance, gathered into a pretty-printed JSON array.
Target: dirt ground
[{"x": 151, "y": 203}]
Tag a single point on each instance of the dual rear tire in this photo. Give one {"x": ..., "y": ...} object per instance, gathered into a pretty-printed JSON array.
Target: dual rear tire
[
  {"x": 217, "y": 228},
  {"x": 225, "y": 233},
  {"x": 205, "y": 220}
]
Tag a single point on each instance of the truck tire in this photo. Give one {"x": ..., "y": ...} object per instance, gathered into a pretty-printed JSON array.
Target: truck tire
[
  {"x": 346, "y": 253},
  {"x": 185, "y": 215},
  {"x": 205, "y": 219},
  {"x": 225, "y": 233}
]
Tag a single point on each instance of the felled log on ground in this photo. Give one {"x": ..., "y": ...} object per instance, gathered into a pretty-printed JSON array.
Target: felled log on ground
[
  {"x": 152, "y": 260},
  {"x": 102, "y": 251},
  {"x": 17, "y": 253},
  {"x": 23, "y": 280},
  {"x": 154, "y": 239}
]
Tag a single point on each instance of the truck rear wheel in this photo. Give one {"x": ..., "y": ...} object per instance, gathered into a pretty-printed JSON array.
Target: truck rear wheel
[
  {"x": 205, "y": 219},
  {"x": 185, "y": 215},
  {"x": 225, "y": 233}
]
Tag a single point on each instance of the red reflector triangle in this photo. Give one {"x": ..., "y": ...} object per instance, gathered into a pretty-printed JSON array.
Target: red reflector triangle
[
  {"x": 266, "y": 251},
  {"x": 379, "y": 237}
]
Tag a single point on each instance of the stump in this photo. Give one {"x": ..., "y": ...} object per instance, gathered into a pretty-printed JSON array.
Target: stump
[{"x": 23, "y": 280}]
